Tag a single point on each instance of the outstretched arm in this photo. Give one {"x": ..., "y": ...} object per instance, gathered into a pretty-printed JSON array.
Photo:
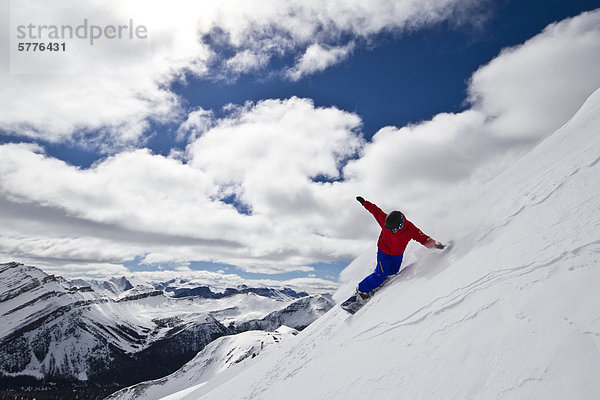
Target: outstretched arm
[
  {"x": 424, "y": 239},
  {"x": 373, "y": 209}
]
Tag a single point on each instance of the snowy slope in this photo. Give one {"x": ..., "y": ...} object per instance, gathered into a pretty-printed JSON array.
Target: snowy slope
[
  {"x": 256, "y": 335},
  {"x": 215, "y": 358},
  {"x": 512, "y": 312}
]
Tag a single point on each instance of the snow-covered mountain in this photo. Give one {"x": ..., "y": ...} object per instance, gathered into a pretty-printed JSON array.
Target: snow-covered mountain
[
  {"x": 511, "y": 312},
  {"x": 115, "y": 287},
  {"x": 52, "y": 329},
  {"x": 177, "y": 288},
  {"x": 212, "y": 360},
  {"x": 114, "y": 332},
  {"x": 298, "y": 315}
]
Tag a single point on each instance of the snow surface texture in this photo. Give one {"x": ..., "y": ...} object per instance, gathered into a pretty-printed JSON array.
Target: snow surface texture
[{"x": 512, "y": 312}]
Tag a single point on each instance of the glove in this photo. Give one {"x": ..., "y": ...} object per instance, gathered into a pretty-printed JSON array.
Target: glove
[
  {"x": 360, "y": 199},
  {"x": 440, "y": 245}
]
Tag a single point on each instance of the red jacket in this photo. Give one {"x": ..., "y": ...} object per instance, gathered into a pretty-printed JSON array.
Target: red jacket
[{"x": 395, "y": 243}]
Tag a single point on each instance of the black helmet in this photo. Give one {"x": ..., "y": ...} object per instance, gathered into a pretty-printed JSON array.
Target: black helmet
[{"x": 394, "y": 220}]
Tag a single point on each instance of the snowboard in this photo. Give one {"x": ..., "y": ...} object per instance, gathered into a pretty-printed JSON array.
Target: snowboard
[{"x": 355, "y": 302}]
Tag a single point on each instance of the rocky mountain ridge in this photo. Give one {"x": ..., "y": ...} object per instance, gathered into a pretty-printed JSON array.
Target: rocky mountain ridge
[{"x": 120, "y": 334}]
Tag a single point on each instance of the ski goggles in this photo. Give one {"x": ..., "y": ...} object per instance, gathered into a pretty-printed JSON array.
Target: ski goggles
[{"x": 396, "y": 229}]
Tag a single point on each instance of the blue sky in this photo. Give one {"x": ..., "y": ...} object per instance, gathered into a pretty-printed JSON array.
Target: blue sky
[{"x": 233, "y": 84}]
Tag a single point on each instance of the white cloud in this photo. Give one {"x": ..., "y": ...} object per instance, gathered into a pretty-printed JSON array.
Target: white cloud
[
  {"x": 198, "y": 121},
  {"x": 83, "y": 270},
  {"x": 65, "y": 108},
  {"x": 119, "y": 190},
  {"x": 259, "y": 154},
  {"x": 85, "y": 249},
  {"x": 266, "y": 155},
  {"x": 246, "y": 61},
  {"x": 113, "y": 109},
  {"x": 532, "y": 89},
  {"x": 101, "y": 98},
  {"x": 317, "y": 58},
  {"x": 401, "y": 167},
  {"x": 267, "y": 145}
]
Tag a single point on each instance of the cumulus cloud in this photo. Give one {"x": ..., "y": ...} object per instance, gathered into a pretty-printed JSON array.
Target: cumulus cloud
[
  {"x": 262, "y": 150},
  {"x": 198, "y": 121},
  {"x": 83, "y": 270},
  {"x": 257, "y": 158},
  {"x": 246, "y": 61},
  {"x": 403, "y": 165},
  {"x": 317, "y": 58},
  {"x": 532, "y": 89},
  {"x": 106, "y": 96},
  {"x": 173, "y": 198}
]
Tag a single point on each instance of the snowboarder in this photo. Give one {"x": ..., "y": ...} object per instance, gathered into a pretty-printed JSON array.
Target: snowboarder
[{"x": 396, "y": 232}]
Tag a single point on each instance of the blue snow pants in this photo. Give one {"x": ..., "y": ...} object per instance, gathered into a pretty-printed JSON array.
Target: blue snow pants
[{"x": 386, "y": 265}]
